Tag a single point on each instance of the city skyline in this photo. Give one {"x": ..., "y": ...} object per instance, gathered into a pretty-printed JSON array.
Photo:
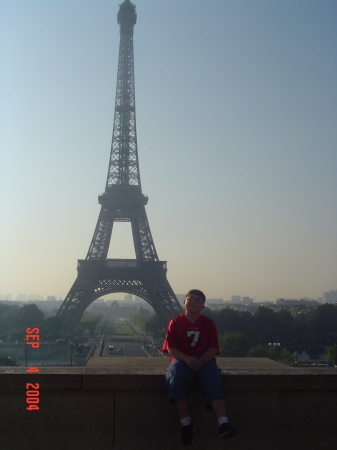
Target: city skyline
[
  {"x": 327, "y": 297},
  {"x": 235, "y": 108},
  {"x": 22, "y": 297}
]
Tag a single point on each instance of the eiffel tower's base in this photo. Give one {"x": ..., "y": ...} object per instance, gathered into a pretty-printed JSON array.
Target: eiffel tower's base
[{"x": 145, "y": 279}]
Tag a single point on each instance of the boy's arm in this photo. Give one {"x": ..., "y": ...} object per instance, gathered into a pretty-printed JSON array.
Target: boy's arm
[{"x": 210, "y": 354}]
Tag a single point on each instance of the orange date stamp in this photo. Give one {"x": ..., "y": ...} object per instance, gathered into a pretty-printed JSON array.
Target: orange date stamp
[{"x": 32, "y": 389}]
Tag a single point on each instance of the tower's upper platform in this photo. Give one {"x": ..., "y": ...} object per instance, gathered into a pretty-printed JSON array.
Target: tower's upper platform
[{"x": 127, "y": 13}]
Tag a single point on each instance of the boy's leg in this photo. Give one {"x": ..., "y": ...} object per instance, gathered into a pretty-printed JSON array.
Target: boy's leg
[
  {"x": 187, "y": 427},
  {"x": 177, "y": 376},
  {"x": 219, "y": 407},
  {"x": 210, "y": 381},
  {"x": 182, "y": 408},
  {"x": 225, "y": 430}
]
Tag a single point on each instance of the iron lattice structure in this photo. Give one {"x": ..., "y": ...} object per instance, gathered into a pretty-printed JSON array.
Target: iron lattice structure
[{"x": 122, "y": 201}]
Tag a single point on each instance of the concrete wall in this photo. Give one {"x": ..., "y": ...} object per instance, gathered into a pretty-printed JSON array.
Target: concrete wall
[{"x": 124, "y": 407}]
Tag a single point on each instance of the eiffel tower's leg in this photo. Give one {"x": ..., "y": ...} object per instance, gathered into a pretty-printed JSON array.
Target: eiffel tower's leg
[
  {"x": 78, "y": 299},
  {"x": 164, "y": 302},
  {"x": 100, "y": 242},
  {"x": 142, "y": 238}
]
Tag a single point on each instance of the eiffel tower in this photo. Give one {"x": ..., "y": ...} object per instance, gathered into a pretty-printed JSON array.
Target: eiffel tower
[{"x": 122, "y": 201}]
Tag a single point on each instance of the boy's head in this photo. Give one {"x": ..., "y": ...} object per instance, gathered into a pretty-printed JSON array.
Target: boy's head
[{"x": 197, "y": 294}]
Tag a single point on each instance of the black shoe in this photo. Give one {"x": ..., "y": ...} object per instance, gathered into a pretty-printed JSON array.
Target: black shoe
[
  {"x": 187, "y": 434},
  {"x": 226, "y": 431}
]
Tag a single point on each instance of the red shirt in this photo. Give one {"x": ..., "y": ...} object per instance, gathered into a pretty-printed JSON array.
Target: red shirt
[{"x": 192, "y": 338}]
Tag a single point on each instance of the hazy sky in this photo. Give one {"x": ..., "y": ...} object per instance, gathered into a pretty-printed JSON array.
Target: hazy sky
[{"x": 236, "y": 126}]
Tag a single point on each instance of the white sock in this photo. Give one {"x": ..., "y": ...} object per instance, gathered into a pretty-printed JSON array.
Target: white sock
[
  {"x": 185, "y": 421},
  {"x": 222, "y": 419}
]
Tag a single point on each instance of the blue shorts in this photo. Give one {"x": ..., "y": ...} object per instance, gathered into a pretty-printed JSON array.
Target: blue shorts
[{"x": 208, "y": 379}]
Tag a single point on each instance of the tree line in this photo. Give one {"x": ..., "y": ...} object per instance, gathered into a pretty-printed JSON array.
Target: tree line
[
  {"x": 242, "y": 333},
  {"x": 313, "y": 327},
  {"x": 14, "y": 320}
]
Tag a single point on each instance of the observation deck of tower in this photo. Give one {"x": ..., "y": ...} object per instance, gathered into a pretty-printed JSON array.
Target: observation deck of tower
[{"x": 122, "y": 201}]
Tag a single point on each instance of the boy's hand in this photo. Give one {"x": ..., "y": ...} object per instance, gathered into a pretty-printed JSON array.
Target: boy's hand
[{"x": 193, "y": 363}]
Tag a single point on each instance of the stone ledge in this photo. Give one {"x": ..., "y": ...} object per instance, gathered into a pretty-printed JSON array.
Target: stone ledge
[
  {"x": 124, "y": 406},
  {"x": 148, "y": 374}
]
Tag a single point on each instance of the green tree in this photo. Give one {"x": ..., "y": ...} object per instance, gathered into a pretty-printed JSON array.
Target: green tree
[
  {"x": 8, "y": 316},
  {"x": 287, "y": 358},
  {"x": 29, "y": 316},
  {"x": 16, "y": 334},
  {"x": 143, "y": 311},
  {"x": 229, "y": 321},
  {"x": 5, "y": 360},
  {"x": 265, "y": 351},
  {"x": 234, "y": 344},
  {"x": 322, "y": 322},
  {"x": 155, "y": 326},
  {"x": 50, "y": 329},
  {"x": 267, "y": 325},
  {"x": 286, "y": 327},
  {"x": 331, "y": 355}
]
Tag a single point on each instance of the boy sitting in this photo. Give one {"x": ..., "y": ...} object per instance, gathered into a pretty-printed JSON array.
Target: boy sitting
[{"x": 192, "y": 342}]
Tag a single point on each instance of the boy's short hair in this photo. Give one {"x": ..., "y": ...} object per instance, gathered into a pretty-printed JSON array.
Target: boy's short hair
[{"x": 198, "y": 293}]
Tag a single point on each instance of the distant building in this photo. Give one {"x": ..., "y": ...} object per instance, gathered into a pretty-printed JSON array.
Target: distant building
[
  {"x": 128, "y": 298},
  {"x": 215, "y": 303},
  {"x": 181, "y": 298},
  {"x": 247, "y": 300},
  {"x": 36, "y": 297},
  {"x": 330, "y": 297},
  {"x": 287, "y": 303},
  {"x": 236, "y": 299}
]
